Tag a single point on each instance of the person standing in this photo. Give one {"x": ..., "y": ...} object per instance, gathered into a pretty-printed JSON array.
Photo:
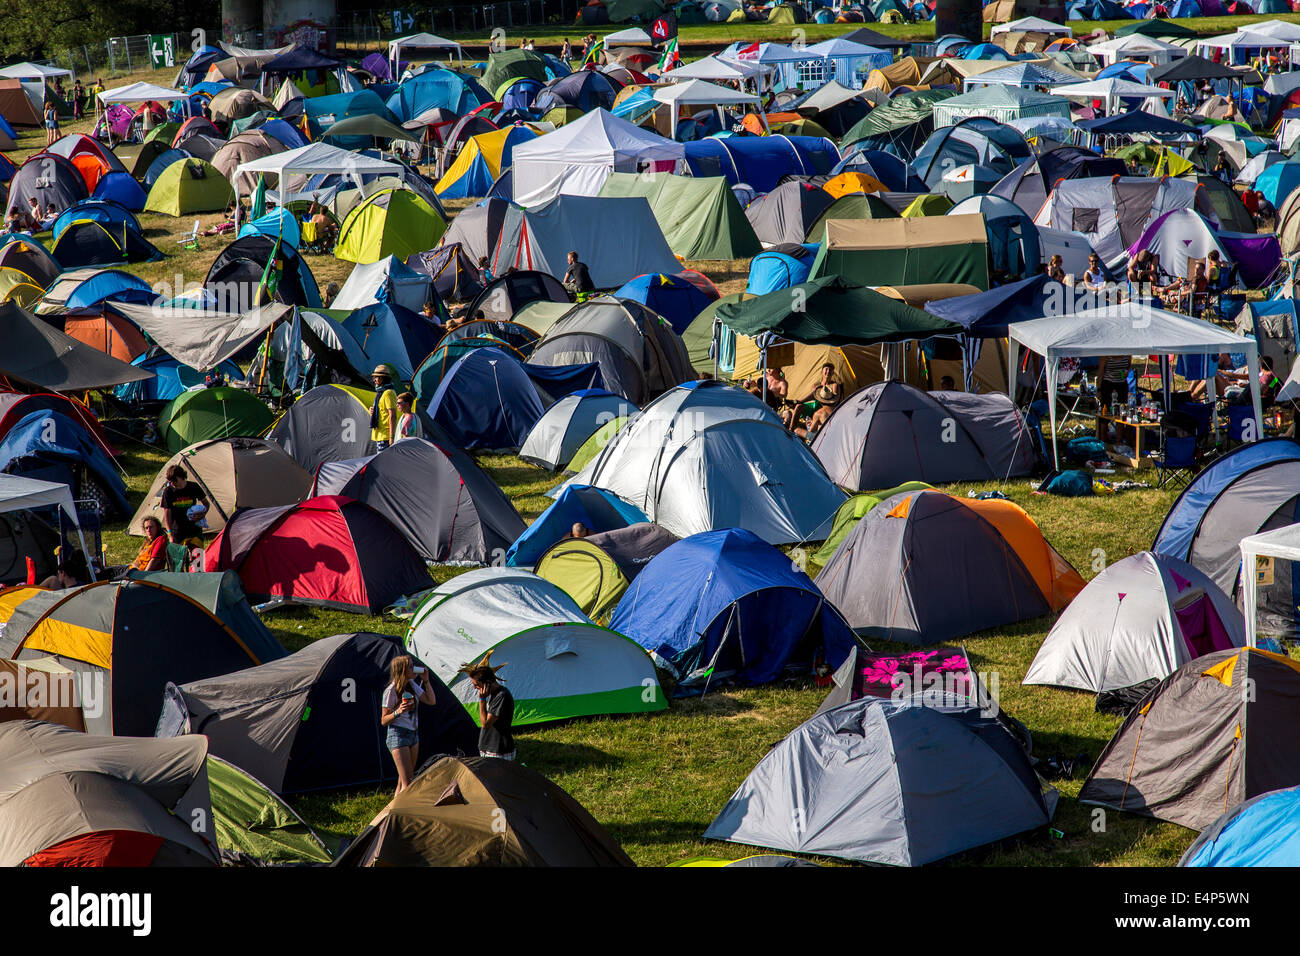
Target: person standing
[
  {"x": 180, "y": 498},
  {"x": 78, "y": 99},
  {"x": 496, "y": 713},
  {"x": 566, "y": 52},
  {"x": 51, "y": 123},
  {"x": 399, "y": 713},
  {"x": 408, "y": 423},
  {"x": 383, "y": 413}
]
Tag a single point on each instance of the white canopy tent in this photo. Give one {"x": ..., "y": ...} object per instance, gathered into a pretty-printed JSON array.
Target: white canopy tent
[
  {"x": 703, "y": 93},
  {"x": 1245, "y": 39},
  {"x": 1130, "y": 328},
  {"x": 312, "y": 159},
  {"x": 1281, "y": 29},
  {"x": 141, "y": 93},
  {"x": 33, "y": 71},
  {"x": 1281, "y": 543},
  {"x": 24, "y": 494},
  {"x": 718, "y": 69},
  {"x": 420, "y": 41},
  {"x": 1033, "y": 25},
  {"x": 1112, "y": 90},
  {"x": 1136, "y": 47}
]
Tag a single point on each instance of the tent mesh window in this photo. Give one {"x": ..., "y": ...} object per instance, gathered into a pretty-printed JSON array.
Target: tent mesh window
[{"x": 813, "y": 74}]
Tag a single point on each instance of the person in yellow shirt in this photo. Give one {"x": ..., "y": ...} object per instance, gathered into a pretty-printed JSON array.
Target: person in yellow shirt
[{"x": 383, "y": 413}]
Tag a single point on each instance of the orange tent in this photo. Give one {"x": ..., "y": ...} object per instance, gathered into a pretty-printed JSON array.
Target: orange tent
[
  {"x": 852, "y": 182},
  {"x": 108, "y": 332},
  {"x": 92, "y": 169}
]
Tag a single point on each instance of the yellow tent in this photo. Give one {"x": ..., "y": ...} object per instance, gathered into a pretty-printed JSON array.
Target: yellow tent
[{"x": 852, "y": 182}]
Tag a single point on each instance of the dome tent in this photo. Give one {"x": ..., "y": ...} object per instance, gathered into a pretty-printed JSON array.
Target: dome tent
[
  {"x": 332, "y": 423},
  {"x": 561, "y": 664},
  {"x": 51, "y": 446},
  {"x": 187, "y": 186},
  {"x": 486, "y": 400},
  {"x": 328, "y": 551},
  {"x": 726, "y": 604},
  {"x": 597, "y": 570},
  {"x": 987, "y": 559},
  {"x": 892, "y": 782},
  {"x": 441, "y": 501},
  {"x": 676, "y": 462},
  {"x": 1262, "y": 831},
  {"x": 211, "y": 413},
  {"x": 596, "y": 509},
  {"x": 392, "y": 222},
  {"x": 85, "y": 242},
  {"x": 560, "y": 432},
  {"x": 890, "y": 432},
  {"x": 286, "y": 723},
  {"x": 1136, "y": 623},
  {"x": 253, "y": 824}
]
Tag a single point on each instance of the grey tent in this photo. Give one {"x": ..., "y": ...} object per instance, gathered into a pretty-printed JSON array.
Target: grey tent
[
  {"x": 639, "y": 354},
  {"x": 787, "y": 213},
  {"x": 311, "y": 720},
  {"x": 37, "y": 354},
  {"x": 890, "y": 432},
  {"x": 1138, "y": 621},
  {"x": 1219, "y": 730},
  {"x": 923, "y": 567},
  {"x": 567, "y": 424},
  {"x": 438, "y": 497},
  {"x": 73, "y": 799},
  {"x": 221, "y": 593},
  {"x": 477, "y": 228},
  {"x": 893, "y": 782}
]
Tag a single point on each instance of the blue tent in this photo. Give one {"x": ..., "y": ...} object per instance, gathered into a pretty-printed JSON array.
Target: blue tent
[
  {"x": 49, "y": 446},
  {"x": 520, "y": 94},
  {"x": 761, "y": 161},
  {"x": 322, "y": 112},
  {"x": 780, "y": 268},
  {"x": 121, "y": 188},
  {"x": 1014, "y": 248},
  {"x": 585, "y": 90},
  {"x": 279, "y": 224},
  {"x": 436, "y": 88},
  {"x": 285, "y": 133},
  {"x": 7, "y": 168},
  {"x": 393, "y": 334},
  {"x": 111, "y": 284},
  {"x": 486, "y": 400},
  {"x": 1098, "y": 10},
  {"x": 674, "y": 297},
  {"x": 1126, "y": 70},
  {"x": 888, "y": 168},
  {"x": 170, "y": 379},
  {"x": 161, "y": 162},
  {"x": 1263, "y": 831},
  {"x": 1278, "y": 182},
  {"x": 987, "y": 314},
  {"x": 984, "y": 51},
  {"x": 637, "y": 106},
  {"x": 7, "y": 129},
  {"x": 599, "y": 510},
  {"x": 727, "y": 603},
  {"x": 101, "y": 210}
]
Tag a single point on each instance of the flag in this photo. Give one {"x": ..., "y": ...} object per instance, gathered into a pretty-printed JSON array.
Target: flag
[
  {"x": 594, "y": 54},
  {"x": 293, "y": 354},
  {"x": 747, "y": 52},
  {"x": 663, "y": 28},
  {"x": 270, "y": 276},
  {"x": 670, "y": 59},
  {"x": 258, "y": 209}
]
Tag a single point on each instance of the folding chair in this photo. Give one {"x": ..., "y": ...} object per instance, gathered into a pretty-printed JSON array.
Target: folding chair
[
  {"x": 1177, "y": 463},
  {"x": 190, "y": 240}
]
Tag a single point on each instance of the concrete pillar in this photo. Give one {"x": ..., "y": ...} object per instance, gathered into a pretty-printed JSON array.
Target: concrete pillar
[
  {"x": 241, "y": 22},
  {"x": 306, "y": 22},
  {"x": 961, "y": 17}
]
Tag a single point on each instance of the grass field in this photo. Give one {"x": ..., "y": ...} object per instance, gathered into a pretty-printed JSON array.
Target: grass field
[{"x": 657, "y": 781}]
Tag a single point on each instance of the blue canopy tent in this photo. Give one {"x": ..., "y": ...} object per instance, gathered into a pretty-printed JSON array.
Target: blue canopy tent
[
  {"x": 599, "y": 510},
  {"x": 49, "y": 446},
  {"x": 674, "y": 297},
  {"x": 728, "y": 604}
]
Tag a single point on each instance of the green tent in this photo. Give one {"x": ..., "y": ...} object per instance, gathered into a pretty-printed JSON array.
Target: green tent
[
  {"x": 931, "y": 204},
  {"x": 904, "y": 110},
  {"x": 253, "y": 822},
  {"x": 368, "y": 124},
  {"x": 700, "y": 218},
  {"x": 557, "y": 116},
  {"x": 509, "y": 65},
  {"x": 188, "y": 186},
  {"x": 164, "y": 132},
  {"x": 392, "y": 222},
  {"x": 833, "y": 311},
  {"x": 698, "y": 337},
  {"x": 851, "y": 206},
  {"x": 1159, "y": 29},
  {"x": 594, "y": 445},
  {"x": 914, "y": 251},
  {"x": 848, "y": 515},
  {"x": 207, "y": 413}
]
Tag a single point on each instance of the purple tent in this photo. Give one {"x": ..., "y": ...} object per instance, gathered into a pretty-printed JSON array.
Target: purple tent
[
  {"x": 1256, "y": 255},
  {"x": 376, "y": 64},
  {"x": 117, "y": 117}
]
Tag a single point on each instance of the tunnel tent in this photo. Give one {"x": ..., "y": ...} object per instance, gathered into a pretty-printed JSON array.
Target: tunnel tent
[
  {"x": 286, "y": 724},
  {"x": 561, "y": 664},
  {"x": 597, "y": 570},
  {"x": 906, "y": 251}
]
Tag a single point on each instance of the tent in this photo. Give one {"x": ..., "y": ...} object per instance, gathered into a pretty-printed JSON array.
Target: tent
[
  {"x": 1248, "y": 490},
  {"x": 239, "y": 280},
  {"x": 847, "y": 517},
  {"x": 328, "y": 551},
  {"x": 189, "y": 185},
  {"x": 1259, "y": 832},
  {"x": 86, "y": 242},
  {"x": 1029, "y": 184},
  {"x": 48, "y": 178},
  {"x": 29, "y": 257},
  {"x": 441, "y": 501},
  {"x": 850, "y": 206},
  {"x": 891, "y": 432},
  {"x": 328, "y": 423},
  {"x": 639, "y": 355},
  {"x": 986, "y": 558},
  {"x": 15, "y": 406},
  {"x": 168, "y": 379},
  {"x": 37, "y": 354},
  {"x": 253, "y": 825},
  {"x": 242, "y": 148},
  {"x": 726, "y": 605},
  {"x": 386, "y": 281},
  {"x": 486, "y": 400},
  {"x": 1199, "y": 743},
  {"x": 676, "y": 462},
  {"x": 106, "y": 211},
  {"x": 481, "y": 811},
  {"x": 1000, "y": 101},
  {"x": 234, "y": 473},
  {"x": 788, "y": 212},
  {"x": 760, "y": 162},
  {"x": 478, "y": 227},
  {"x": 597, "y": 570},
  {"x": 212, "y": 413},
  {"x": 1136, "y": 623},
  {"x": 392, "y": 222},
  {"x": 25, "y": 503},
  {"x": 562, "y": 429},
  {"x": 455, "y": 277},
  {"x": 109, "y": 631},
  {"x": 889, "y": 251},
  {"x": 597, "y": 510},
  {"x": 577, "y": 158},
  {"x": 539, "y": 238},
  {"x": 72, "y": 799},
  {"x": 222, "y": 595},
  {"x": 781, "y": 267},
  {"x": 700, "y": 217},
  {"x": 897, "y": 782},
  {"x": 286, "y": 723},
  {"x": 481, "y": 161},
  {"x": 677, "y": 298},
  {"x": 561, "y": 665},
  {"x": 50, "y": 446}
]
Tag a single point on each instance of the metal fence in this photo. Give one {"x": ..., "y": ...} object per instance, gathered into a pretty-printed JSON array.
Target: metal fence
[{"x": 372, "y": 29}]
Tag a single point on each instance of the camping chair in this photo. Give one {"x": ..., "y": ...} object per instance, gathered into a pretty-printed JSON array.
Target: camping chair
[
  {"x": 190, "y": 240},
  {"x": 181, "y": 557},
  {"x": 315, "y": 239},
  {"x": 1215, "y": 297},
  {"x": 1177, "y": 462}
]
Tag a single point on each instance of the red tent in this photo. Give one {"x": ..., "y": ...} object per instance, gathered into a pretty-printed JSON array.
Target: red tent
[{"x": 329, "y": 551}]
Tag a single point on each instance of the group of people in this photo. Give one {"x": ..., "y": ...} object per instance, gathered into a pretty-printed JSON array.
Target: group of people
[
  {"x": 805, "y": 416},
  {"x": 392, "y": 416},
  {"x": 32, "y": 219},
  {"x": 1145, "y": 271}
]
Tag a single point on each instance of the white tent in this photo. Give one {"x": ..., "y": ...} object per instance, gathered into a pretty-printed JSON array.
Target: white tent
[
  {"x": 844, "y": 59},
  {"x": 577, "y": 158},
  {"x": 717, "y": 68},
  {"x": 1033, "y": 25},
  {"x": 1281, "y": 29},
  {"x": 1136, "y": 47},
  {"x": 32, "y": 71},
  {"x": 312, "y": 159},
  {"x": 419, "y": 41},
  {"x": 1245, "y": 39},
  {"x": 636, "y": 36},
  {"x": 23, "y": 494},
  {"x": 1281, "y": 543},
  {"x": 1110, "y": 90},
  {"x": 203, "y": 339},
  {"x": 406, "y": 287},
  {"x": 703, "y": 93},
  {"x": 1130, "y": 328},
  {"x": 141, "y": 93}
]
